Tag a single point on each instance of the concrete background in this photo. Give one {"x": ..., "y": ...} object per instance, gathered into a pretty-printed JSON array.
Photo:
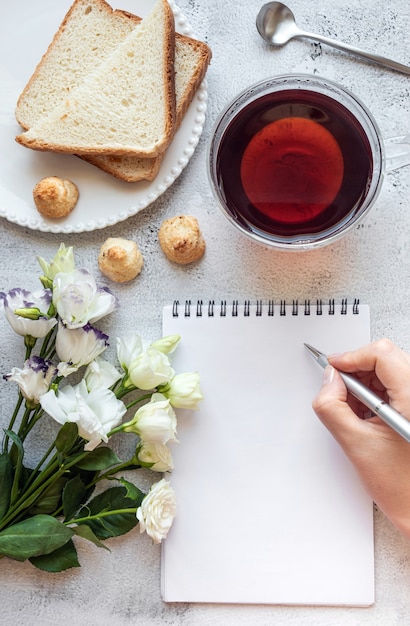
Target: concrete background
[{"x": 121, "y": 587}]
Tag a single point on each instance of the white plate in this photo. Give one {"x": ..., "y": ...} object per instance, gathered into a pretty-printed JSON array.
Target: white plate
[{"x": 26, "y": 29}]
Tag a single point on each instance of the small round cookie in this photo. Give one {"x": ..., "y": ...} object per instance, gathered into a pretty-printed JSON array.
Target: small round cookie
[
  {"x": 120, "y": 259},
  {"x": 55, "y": 197},
  {"x": 181, "y": 239}
]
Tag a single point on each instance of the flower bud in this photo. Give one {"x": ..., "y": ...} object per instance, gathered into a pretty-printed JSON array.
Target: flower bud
[
  {"x": 30, "y": 313},
  {"x": 154, "y": 422},
  {"x": 156, "y": 456},
  {"x": 128, "y": 349},
  {"x": 62, "y": 262},
  {"x": 183, "y": 391},
  {"x": 150, "y": 369},
  {"x": 166, "y": 344}
]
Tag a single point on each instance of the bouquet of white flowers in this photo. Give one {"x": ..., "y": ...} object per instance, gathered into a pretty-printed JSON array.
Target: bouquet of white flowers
[{"x": 43, "y": 508}]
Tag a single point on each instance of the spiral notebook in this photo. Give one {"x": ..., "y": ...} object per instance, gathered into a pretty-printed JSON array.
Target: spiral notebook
[{"x": 270, "y": 511}]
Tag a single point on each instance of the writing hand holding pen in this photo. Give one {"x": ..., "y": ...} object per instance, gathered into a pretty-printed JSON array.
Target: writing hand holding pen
[
  {"x": 369, "y": 398},
  {"x": 380, "y": 455}
]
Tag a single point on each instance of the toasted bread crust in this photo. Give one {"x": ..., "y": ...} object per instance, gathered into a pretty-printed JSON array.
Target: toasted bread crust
[
  {"x": 78, "y": 126},
  {"x": 204, "y": 56},
  {"x": 131, "y": 169},
  {"x": 106, "y": 28},
  {"x": 123, "y": 18}
]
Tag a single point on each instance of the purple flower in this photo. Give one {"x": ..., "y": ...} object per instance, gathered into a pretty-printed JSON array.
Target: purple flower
[
  {"x": 78, "y": 300},
  {"x": 26, "y": 311},
  {"x": 34, "y": 379},
  {"x": 78, "y": 346}
]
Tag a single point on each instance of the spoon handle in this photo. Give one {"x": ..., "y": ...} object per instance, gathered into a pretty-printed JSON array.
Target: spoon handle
[
  {"x": 375, "y": 58},
  {"x": 397, "y": 152}
]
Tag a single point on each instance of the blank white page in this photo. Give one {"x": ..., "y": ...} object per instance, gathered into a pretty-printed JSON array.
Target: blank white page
[{"x": 269, "y": 509}]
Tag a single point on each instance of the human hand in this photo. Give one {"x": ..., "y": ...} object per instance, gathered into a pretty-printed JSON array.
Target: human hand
[{"x": 380, "y": 456}]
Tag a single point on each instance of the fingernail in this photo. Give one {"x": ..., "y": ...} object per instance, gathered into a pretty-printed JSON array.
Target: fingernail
[{"x": 328, "y": 375}]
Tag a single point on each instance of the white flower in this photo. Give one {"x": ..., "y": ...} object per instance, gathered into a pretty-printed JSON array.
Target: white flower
[
  {"x": 156, "y": 456},
  {"x": 62, "y": 262},
  {"x": 96, "y": 413},
  {"x": 78, "y": 300},
  {"x": 26, "y": 311},
  {"x": 154, "y": 422},
  {"x": 78, "y": 346},
  {"x": 150, "y": 369},
  {"x": 100, "y": 373},
  {"x": 166, "y": 344},
  {"x": 157, "y": 511},
  {"x": 184, "y": 391},
  {"x": 128, "y": 349},
  {"x": 34, "y": 379}
]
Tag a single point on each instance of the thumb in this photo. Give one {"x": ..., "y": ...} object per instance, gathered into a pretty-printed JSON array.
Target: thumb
[{"x": 331, "y": 407}]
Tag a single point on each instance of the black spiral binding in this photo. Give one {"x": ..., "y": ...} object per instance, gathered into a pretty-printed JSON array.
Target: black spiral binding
[{"x": 268, "y": 308}]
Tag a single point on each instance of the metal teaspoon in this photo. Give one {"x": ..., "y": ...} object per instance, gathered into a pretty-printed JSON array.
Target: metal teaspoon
[{"x": 276, "y": 25}]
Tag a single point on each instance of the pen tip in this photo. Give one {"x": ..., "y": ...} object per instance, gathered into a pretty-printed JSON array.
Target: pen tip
[{"x": 315, "y": 353}]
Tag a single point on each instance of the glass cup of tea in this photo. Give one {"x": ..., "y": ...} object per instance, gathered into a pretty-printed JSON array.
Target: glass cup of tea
[{"x": 296, "y": 161}]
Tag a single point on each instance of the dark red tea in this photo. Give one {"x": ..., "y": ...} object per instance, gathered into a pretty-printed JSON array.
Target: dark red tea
[{"x": 294, "y": 162}]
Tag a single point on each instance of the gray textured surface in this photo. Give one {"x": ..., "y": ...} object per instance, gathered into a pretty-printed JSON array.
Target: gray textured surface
[{"x": 121, "y": 588}]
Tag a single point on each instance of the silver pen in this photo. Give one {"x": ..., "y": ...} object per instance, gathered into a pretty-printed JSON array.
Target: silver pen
[{"x": 378, "y": 406}]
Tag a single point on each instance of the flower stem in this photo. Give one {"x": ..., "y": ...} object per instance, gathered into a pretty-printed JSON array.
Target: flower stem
[
  {"x": 30, "y": 423},
  {"x": 117, "y": 429},
  {"x": 122, "y": 391},
  {"x": 111, "y": 472},
  {"x": 81, "y": 520},
  {"x": 35, "y": 471},
  {"x": 138, "y": 400},
  {"x": 30, "y": 495},
  {"x": 48, "y": 476},
  {"x": 29, "y": 342},
  {"x": 46, "y": 351},
  {"x": 12, "y": 420},
  {"x": 24, "y": 428}
]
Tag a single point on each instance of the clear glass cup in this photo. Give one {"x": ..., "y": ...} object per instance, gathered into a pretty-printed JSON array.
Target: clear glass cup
[{"x": 296, "y": 161}]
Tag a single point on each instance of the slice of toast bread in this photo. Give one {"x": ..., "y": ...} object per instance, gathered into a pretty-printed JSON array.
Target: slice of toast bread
[
  {"x": 192, "y": 58},
  {"x": 65, "y": 65},
  {"x": 126, "y": 106},
  {"x": 89, "y": 32}
]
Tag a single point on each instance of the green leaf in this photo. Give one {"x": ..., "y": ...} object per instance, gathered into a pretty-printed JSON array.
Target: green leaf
[
  {"x": 18, "y": 463},
  {"x": 99, "y": 459},
  {"x": 87, "y": 479},
  {"x": 114, "y": 525},
  {"x": 132, "y": 490},
  {"x": 50, "y": 500},
  {"x": 17, "y": 441},
  {"x": 59, "y": 560},
  {"x": 66, "y": 437},
  {"x": 6, "y": 481},
  {"x": 28, "y": 474},
  {"x": 84, "y": 531},
  {"x": 40, "y": 534},
  {"x": 74, "y": 495}
]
